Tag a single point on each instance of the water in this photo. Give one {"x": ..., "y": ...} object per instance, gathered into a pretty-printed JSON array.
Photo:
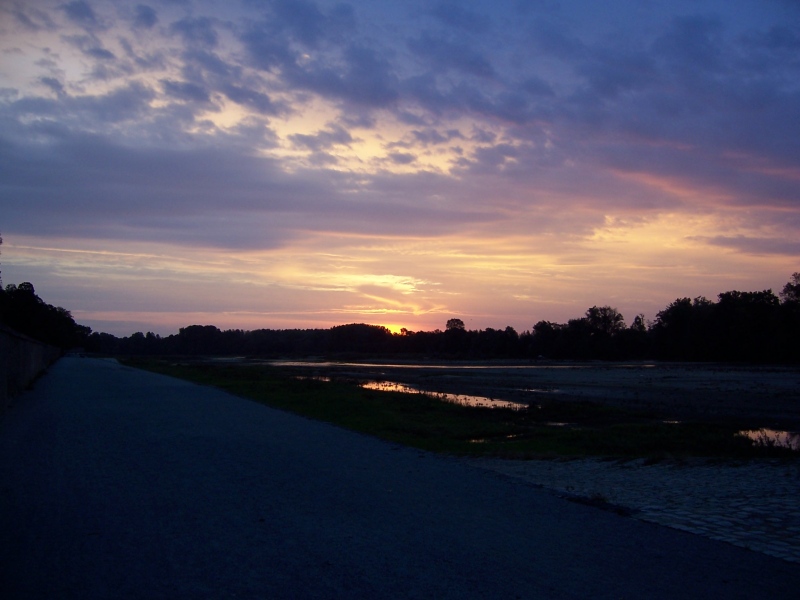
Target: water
[
  {"x": 451, "y": 366},
  {"x": 773, "y": 437},
  {"x": 463, "y": 399}
]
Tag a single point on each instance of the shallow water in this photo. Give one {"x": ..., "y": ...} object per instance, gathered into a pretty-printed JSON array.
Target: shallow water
[
  {"x": 773, "y": 437},
  {"x": 463, "y": 399},
  {"x": 450, "y": 366}
]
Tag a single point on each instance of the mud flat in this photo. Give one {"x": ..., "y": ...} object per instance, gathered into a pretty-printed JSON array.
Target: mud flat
[{"x": 758, "y": 396}]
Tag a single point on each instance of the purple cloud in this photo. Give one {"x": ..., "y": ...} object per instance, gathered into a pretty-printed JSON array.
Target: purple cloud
[
  {"x": 81, "y": 12},
  {"x": 145, "y": 17},
  {"x": 444, "y": 54},
  {"x": 455, "y": 15}
]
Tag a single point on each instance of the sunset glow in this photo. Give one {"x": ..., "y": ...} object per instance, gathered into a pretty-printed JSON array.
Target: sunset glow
[{"x": 303, "y": 164}]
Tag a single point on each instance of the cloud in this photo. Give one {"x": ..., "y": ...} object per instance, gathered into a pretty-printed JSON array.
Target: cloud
[
  {"x": 54, "y": 84},
  {"x": 444, "y": 54},
  {"x": 432, "y": 136},
  {"x": 322, "y": 140},
  {"x": 550, "y": 40},
  {"x": 185, "y": 91},
  {"x": 754, "y": 245},
  {"x": 513, "y": 146},
  {"x": 265, "y": 48},
  {"x": 90, "y": 46},
  {"x": 121, "y": 105},
  {"x": 30, "y": 17},
  {"x": 209, "y": 62},
  {"x": 82, "y": 13},
  {"x": 692, "y": 44},
  {"x": 199, "y": 31},
  {"x": 145, "y": 17},
  {"x": 455, "y": 15},
  {"x": 303, "y": 21},
  {"x": 253, "y": 99},
  {"x": 610, "y": 73},
  {"x": 402, "y": 158},
  {"x": 100, "y": 53},
  {"x": 363, "y": 78}
]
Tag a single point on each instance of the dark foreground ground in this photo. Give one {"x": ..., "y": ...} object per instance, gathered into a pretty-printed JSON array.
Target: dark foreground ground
[{"x": 116, "y": 483}]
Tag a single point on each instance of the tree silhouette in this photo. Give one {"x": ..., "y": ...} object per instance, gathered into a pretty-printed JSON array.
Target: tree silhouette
[
  {"x": 22, "y": 310},
  {"x": 790, "y": 292},
  {"x": 605, "y": 320},
  {"x": 454, "y": 324}
]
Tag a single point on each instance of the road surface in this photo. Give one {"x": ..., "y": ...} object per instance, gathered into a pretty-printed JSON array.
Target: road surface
[{"x": 118, "y": 483}]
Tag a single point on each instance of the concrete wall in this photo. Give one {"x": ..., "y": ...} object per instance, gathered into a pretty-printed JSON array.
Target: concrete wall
[{"x": 21, "y": 360}]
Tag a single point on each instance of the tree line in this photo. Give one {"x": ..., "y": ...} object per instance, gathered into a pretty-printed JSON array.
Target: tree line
[
  {"x": 22, "y": 310},
  {"x": 739, "y": 326}
]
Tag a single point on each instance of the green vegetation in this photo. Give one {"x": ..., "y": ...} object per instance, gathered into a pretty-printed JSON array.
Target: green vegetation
[{"x": 424, "y": 422}]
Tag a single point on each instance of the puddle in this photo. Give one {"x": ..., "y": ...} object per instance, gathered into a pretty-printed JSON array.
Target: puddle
[
  {"x": 463, "y": 399},
  {"x": 774, "y": 437}
]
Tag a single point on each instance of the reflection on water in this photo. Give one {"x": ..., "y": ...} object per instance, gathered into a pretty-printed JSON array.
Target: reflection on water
[
  {"x": 313, "y": 378},
  {"x": 453, "y": 366},
  {"x": 773, "y": 437},
  {"x": 463, "y": 399},
  {"x": 511, "y": 436}
]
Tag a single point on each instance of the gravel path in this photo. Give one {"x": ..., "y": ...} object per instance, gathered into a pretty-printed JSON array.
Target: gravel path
[{"x": 119, "y": 483}]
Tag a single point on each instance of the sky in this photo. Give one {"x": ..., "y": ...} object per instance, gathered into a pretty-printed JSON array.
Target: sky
[{"x": 303, "y": 163}]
